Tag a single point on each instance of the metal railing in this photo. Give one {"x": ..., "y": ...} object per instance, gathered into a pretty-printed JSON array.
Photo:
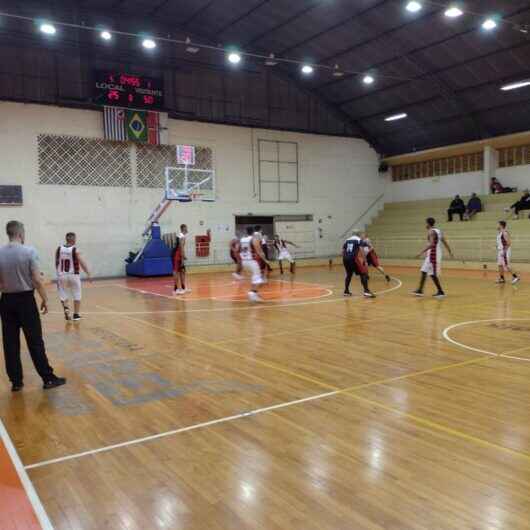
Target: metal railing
[{"x": 355, "y": 224}]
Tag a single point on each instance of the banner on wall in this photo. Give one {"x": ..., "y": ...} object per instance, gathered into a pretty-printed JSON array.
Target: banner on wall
[{"x": 121, "y": 125}]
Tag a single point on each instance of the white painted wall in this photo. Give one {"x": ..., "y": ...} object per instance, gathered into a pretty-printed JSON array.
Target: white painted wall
[
  {"x": 517, "y": 176},
  {"x": 433, "y": 188},
  {"x": 338, "y": 179}
]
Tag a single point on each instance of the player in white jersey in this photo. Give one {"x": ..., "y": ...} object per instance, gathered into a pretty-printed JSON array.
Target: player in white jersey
[
  {"x": 250, "y": 251},
  {"x": 432, "y": 264},
  {"x": 504, "y": 253},
  {"x": 68, "y": 264},
  {"x": 283, "y": 252}
]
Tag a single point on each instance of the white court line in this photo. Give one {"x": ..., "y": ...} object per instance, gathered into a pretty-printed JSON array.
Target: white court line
[
  {"x": 446, "y": 336},
  {"x": 228, "y": 308},
  {"x": 177, "y": 431},
  {"x": 328, "y": 292},
  {"x": 33, "y": 497}
]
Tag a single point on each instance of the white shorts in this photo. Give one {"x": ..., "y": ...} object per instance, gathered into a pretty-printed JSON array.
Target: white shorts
[
  {"x": 504, "y": 259},
  {"x": 284, "y": 254},
  {"x": 432, "y": 267},
  {"x": 69, "y": 286},
  {"x": 252, "y": 266}
]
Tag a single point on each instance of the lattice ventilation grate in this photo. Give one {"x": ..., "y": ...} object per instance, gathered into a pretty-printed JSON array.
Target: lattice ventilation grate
[
  {"x": 152, "y": 160},
  {"x": 76, "y": 161}
]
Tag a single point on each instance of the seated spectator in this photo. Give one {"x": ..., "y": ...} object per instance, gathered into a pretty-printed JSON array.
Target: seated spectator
[
  {"x": 522, "y": 204},
  {"x": 497, "y": 187},
  {"x": 474, "y": 206},
  {"x": 457, "y": 206}
]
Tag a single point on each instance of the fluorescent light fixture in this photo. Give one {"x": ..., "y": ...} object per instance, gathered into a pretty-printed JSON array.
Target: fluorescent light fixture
[
  {"x": 396, "y": 117},
  {"x": 453, "y": 12},
  {"x": 516, "y": 85},
  {"x": 489, "y": 24},
  {"x": 234, "y": 58},
  {"x": 49, "y": 29},
  {"x": 106, "y": 35},
  {"x": 149, "y": 44},
  {"x": 307, "y": 69},
  {"x": 368, "y": 79},
  {"x": 414, "y": 7}
]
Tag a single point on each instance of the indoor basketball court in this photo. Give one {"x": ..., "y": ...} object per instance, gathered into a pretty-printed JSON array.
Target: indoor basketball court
[{"x": 277, "y": 253}]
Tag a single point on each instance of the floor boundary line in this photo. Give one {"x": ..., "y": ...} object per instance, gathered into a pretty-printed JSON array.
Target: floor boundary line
[
  {"x": 31, "y": 493},
  {"x": 173, "y": 432}
]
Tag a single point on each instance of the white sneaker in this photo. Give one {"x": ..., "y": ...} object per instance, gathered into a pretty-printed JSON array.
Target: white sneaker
[
  {"x": 237, "y": 276},
  {"x": 187, "y": 290},
  {"x": 515, "y": 280},
  {"x": 500, "y": 280},
  {"x": 179, "y": 291},
  {"x": 254, "y": 297}
]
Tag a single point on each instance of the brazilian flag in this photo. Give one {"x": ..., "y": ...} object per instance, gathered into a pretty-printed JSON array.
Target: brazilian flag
[{"x": 136, "y": 126}]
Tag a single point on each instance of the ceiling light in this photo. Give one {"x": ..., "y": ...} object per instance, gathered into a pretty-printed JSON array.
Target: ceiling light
[
  {"x": 337, "y": 72},
  {"x": 489, "y": 24},
  {"x": 271, "y": 61},
  {"x": 516, "y": 85},
  {"x": 396, "y": 117},
  {"x": 49, "y": 29},
  {"x": 307, "y": 69},
  {"x": 234, "y": 58},
  {"x": 414, "y": 7},
  {"x": 106, "y": 35},
  {"x": 453, "y": 12},
  {"x": 368, "y": 79},
  {"x": 149, "y": 44}
]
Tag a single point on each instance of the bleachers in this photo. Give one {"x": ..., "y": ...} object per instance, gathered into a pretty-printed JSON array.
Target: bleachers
[{"x": 399, "y": 230}]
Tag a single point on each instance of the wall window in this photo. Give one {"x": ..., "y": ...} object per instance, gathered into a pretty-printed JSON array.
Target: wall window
[
  {"x": 439, "y": 167},
  {"x": 278, "y": 175}
]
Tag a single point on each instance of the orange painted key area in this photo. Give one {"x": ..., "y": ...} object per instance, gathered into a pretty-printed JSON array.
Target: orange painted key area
[
  {"x": 226, "y": 289},
  {"x": 16, "y": 512}
]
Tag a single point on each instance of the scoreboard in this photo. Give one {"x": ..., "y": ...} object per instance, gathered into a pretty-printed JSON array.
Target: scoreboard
[{"x": 129, "y": 91}]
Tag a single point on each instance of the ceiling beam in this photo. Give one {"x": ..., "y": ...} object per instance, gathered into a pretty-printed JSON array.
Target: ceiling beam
[
  {"x": 285, "y": 23},
  {"x": 332, "y": 28},
  {"x": 386, "y": 62},
  {"x": 420, "y": 78},
  {"x": 238, "y": 19}
]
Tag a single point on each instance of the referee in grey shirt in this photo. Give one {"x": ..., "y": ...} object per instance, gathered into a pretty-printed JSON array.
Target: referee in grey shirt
[{"x": 19, "y": 277}]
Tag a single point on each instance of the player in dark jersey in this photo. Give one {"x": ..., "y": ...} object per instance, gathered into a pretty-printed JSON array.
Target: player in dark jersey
[
  {"x": 264, "y": 264},
  {"x": 355, "y": 263}
]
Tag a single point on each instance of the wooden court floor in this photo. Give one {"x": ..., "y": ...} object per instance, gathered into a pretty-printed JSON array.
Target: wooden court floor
[{"x": 306, "y": 412}]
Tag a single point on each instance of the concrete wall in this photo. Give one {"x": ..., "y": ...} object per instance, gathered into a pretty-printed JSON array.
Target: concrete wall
[
  {"x": 338, "y": 179},
  {"x": 458, "y": 183}
]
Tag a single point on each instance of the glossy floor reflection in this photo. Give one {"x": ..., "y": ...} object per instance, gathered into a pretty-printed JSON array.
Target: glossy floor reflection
[{"x": 307, "y": 412}]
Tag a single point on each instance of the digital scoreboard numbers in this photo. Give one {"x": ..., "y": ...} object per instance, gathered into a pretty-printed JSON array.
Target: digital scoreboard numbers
[{"x": 129, "y": 91}]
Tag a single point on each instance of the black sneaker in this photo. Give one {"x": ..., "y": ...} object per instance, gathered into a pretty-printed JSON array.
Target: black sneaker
[
  {"x": 347, "y": 293},
  {"x": 76, "y": 317},
  {"x": 368, "y": 294},
  {"x": 417, "y": 292},
  {"x": 54, "y": 382},
  {"x": 441, "y": 294},
  {"x": 17, "y": 387},
  {"x": 387, "y": 278},
  {"x": 66, "y": 314}
]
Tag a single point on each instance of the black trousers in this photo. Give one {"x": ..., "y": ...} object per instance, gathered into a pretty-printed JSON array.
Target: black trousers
[
  {"x": 520, "y": 205},
  {"x": 459, "y": 211},
  {"x": 19, "y": 311}
]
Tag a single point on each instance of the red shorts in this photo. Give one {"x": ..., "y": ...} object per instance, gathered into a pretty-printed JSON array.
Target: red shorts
[
  {"x": 236, "y": 258},
  {"x": 178, "y": 262},
  {"x": 372, "y": 259}
]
